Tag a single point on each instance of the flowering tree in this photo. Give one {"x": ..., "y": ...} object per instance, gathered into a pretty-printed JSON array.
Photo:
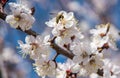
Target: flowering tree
[{"x": 86, "y": 56}]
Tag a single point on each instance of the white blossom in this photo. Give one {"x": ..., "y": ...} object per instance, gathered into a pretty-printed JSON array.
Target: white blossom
[
  {"x": 21, "y": 17},
  {"x": 102, "y": 38},
  {"x": 45, "y": 68},
  {"x": 90, "y": 61},
  {"x": 65, "y": 29},
  {"x": 68, "y": 36},
  {"x": 82, "y": 51},
  {"x": 64, "y": 69},
  {"x": 93, "y": 64},
  {"x": 100, "y": 30},
  {"x": 111, "y": 70},
  {"x": 35, "y": 47},
  {"x": 62, "y": 21}
]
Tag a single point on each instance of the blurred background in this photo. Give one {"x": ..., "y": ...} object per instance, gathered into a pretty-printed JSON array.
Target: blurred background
[{"x": 89, "y": 13}]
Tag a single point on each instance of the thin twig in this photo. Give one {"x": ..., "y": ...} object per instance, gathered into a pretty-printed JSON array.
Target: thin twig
[
  {"x": 2, "y": 15},
  {"x": 54, "y": 58}
]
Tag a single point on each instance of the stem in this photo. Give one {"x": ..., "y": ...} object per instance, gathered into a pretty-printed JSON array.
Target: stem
[{"x": 55, "y": 56}]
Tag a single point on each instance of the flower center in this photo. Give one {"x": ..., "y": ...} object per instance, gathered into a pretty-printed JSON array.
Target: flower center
[
  {"x": 92, "y": 62},
  {"x": 17, "y": 18}
]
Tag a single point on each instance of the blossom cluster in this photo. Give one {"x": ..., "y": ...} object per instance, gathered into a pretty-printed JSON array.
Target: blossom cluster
[
  {"x": 21, "y": 17},
  {"x": 39, "y": 51},
  {"x": 89, "y": 56}
]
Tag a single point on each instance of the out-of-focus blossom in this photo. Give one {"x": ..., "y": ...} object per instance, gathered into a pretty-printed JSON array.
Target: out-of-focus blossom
[
  {"x": 9, "y": 64},
  {"x": 103, "y": 5},
  {"x": 9, "y": 55}
]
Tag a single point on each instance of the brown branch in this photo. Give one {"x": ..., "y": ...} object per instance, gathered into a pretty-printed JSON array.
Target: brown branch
[
  {"x": 2, "y": 15},
  {"x": 62, "y": 51},
  {"x": 29, "y": 32}
]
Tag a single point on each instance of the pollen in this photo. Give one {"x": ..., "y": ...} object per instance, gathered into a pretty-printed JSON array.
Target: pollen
[{"x": 17, "y": 18}]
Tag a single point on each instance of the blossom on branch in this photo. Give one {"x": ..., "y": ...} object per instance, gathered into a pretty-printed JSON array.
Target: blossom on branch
[
  {"x": 61, "y": 22},
  {"x": 35, "y": 47},
  {"x": 69, "y": 69},
  {"x": 85, "y": 57},
  {"x": 21, "y": 17},
  {"x": 65, "y": 29},
  {"x": 45, "y": 68},
  {"x": 103, "y": 38}
]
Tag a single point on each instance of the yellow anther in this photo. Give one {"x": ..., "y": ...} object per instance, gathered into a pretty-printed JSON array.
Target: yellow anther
[{"x": 16, "y": 18}]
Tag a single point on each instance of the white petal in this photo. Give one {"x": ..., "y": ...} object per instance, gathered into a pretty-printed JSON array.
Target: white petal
[
  {"x": 93, "y": 75},
  {"x": 69, "y": 16},
  {"x": 69, "y": 24},
  {"x": 62, "y": 12},
  {"x": 93, "y": 31},
  {"x": 29, "y": 39},
  {"x": 55, "y": 32},
  {"x": 77, "y": 59},
  {"x": 20, "y": 42},
  {"x": 11, "y": 21},
  {"x": 46, "y": 39},
  {"x": 9, "y": 18},
  {"x": 58, "y": 40},
  {"x": 59, "y": 26},
  {"x": 79, "y": 35},
  {"x": 51, "y": 23},
  {"x": 75, "y": 68},
  {"x": 52, "y": 63}
]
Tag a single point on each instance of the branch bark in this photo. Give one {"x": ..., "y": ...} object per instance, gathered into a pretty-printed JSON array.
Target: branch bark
[
  {"x": 2, "y": 15},
  {"x": 62, "y": 51}
]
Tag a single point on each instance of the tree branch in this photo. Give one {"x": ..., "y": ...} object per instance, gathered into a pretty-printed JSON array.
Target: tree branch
[
  {"x": 62, "y": 51},
  {"x": 29, "y": 32},
  {"x": 2, "y": 15}
]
